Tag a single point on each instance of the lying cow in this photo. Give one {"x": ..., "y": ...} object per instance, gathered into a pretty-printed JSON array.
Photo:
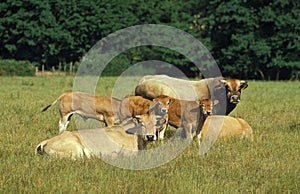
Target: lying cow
[
  {"x": 229, "y": 127},
  {"x": 190, "y": 115},
  {"x": 102, "y": 108},
  {"x": 227, "y": 92},
  {"x": 131, "y": 135},
  {"x": 137, "y": 105}
]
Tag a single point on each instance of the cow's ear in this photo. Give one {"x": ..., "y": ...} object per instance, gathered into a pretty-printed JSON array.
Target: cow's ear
[
  {"x": 153, "y": 105},
  {"x": 132, "y": 130},
  {"x": 171, "y": 100},
  {"x": 244, "y": 84},
  {"x": 136, "y": 118}
]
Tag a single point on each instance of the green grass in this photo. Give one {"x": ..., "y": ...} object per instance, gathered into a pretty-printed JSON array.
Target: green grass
[{"x": 268, "y": 165}]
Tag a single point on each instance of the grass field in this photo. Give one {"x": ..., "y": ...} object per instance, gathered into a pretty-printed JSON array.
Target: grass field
[{"x": 271, "y": 164}]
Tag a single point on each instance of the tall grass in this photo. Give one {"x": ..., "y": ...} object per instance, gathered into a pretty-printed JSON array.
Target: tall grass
[{"x": 268, "y": 165}]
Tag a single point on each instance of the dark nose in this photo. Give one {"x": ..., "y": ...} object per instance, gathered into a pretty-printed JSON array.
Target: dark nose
[
  {"x": 150, "y": 137},
  {"x": 164, "y": 110},
  {"x": 235, "y": 99},
  {"x": 208, "y": 113}
]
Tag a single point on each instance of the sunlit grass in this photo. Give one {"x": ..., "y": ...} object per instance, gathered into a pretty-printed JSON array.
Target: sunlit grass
[{"x": 270, "y": 164}]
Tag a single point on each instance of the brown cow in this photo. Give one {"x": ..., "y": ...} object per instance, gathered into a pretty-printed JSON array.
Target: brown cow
[
  {"x": 130, "y": 136},
  {"x": 190, "y": 115},
  {"x": 152, "y": 86},
  {"x": 233, "y": 89},
  {"x": 137, "y": 105},
  {"x": 102, "y": 108},
  {"x": 229, "y": 127}
]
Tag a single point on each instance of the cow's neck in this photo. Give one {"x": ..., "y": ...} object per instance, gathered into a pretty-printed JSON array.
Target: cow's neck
[
  {"x": 141, "y": 142},
  {"x": 229, "y": 107}
]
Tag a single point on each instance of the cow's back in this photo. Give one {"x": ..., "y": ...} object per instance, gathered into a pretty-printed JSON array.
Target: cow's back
[
  {"x": 109, "y": 141},
  {"x": 180, "y": 108},
  {"x": 66, "y": 144},
  {"x": 151, "y": 86},
  {"x": 133, "y": 105},
  {"x": 228, "y": 126}
]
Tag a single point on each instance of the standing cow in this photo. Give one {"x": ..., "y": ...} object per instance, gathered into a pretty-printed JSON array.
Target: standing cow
[
  {"x": 102, "y": 108},
  {"x": 137, "y": 105},
  {"x": 226, "y": 91}
]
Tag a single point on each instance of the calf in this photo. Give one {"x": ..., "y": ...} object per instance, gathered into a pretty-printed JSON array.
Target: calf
[
  {"x": 226, "y": 91},
  {"x": 136, "y": 105},
  {"x": 230, "y": 127},
  {"x": 190, "y": 115},
  {"x": 102, "y": 108},
  {"x": 131, "y": 135}
]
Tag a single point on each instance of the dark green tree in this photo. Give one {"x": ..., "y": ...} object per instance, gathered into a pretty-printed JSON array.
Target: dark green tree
[{"x": 252, "y": 40}]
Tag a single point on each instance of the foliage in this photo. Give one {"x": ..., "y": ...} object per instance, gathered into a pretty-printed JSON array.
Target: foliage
[
  {"x": 270, "y": 164},
  {"x": 19, "y": 68},
  {"x": 250, "y": 40},
  {"x": 253, "y": 39}
]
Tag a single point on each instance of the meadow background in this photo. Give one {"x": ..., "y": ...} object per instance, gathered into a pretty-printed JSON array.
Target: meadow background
[{"x": 270, "y": 164}]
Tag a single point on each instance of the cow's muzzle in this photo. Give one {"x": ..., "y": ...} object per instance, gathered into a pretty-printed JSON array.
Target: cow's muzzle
[
  {"x": 164, "y": 111},
  {"x": 150, "y": 137},
  {"x": 207, "y": 113},
  {"x": 234, "y": 99}
]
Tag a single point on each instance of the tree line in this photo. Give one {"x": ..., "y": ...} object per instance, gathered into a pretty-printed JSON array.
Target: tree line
[{"x": 248, "y": 39}]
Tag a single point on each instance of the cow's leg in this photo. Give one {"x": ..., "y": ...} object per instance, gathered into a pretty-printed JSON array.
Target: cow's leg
[
  {"x": 187, "y": 129},
  {"x": 87, "y": 152},
  {"x": 161, "y": 134},
  {"x": 109, "y": 121},
  {"x": 198, "y": 139},
  {"x": 61, "y": 126},
  {"x": 64, "y": 121}
]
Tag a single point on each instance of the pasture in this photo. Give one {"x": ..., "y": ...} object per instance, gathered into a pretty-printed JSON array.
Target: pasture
[{"x": 270, "y": 164}]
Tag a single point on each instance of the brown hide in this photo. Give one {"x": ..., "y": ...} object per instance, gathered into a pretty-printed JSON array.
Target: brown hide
[
  {"x": 132, "y": 135},
  {"x": 152, "y": 86},
  {"x": 231, "y": 127},
  {"x": 136, "y": 105},
  {"x": 227, "y": 92},
  {"x": 190, "y": 115},
  {"x": 102, "y": 108}
]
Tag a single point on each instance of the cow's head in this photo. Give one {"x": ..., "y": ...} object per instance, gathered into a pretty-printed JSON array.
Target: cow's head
[
  {"x": 206, "y": 106},
  {"x": 161, "y": 104},
  {"x": 234, "y": 88},
  {"x": 145, "y": 126}
]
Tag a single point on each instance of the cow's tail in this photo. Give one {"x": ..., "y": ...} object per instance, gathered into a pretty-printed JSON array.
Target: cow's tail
[{"x": 46, "y": 108}]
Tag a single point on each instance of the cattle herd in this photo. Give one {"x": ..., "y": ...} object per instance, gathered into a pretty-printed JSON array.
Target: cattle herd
[{"x": 136, "y": 120}]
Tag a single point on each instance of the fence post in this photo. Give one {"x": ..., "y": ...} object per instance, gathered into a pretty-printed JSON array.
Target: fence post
[
  {"x": 71, "y": 68},
  {"x": 36, "y": 71},
  {"x": 43, "y": 70},
  {"x": 53, "y": 70},
  {"x": 59, "y": 66}
]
